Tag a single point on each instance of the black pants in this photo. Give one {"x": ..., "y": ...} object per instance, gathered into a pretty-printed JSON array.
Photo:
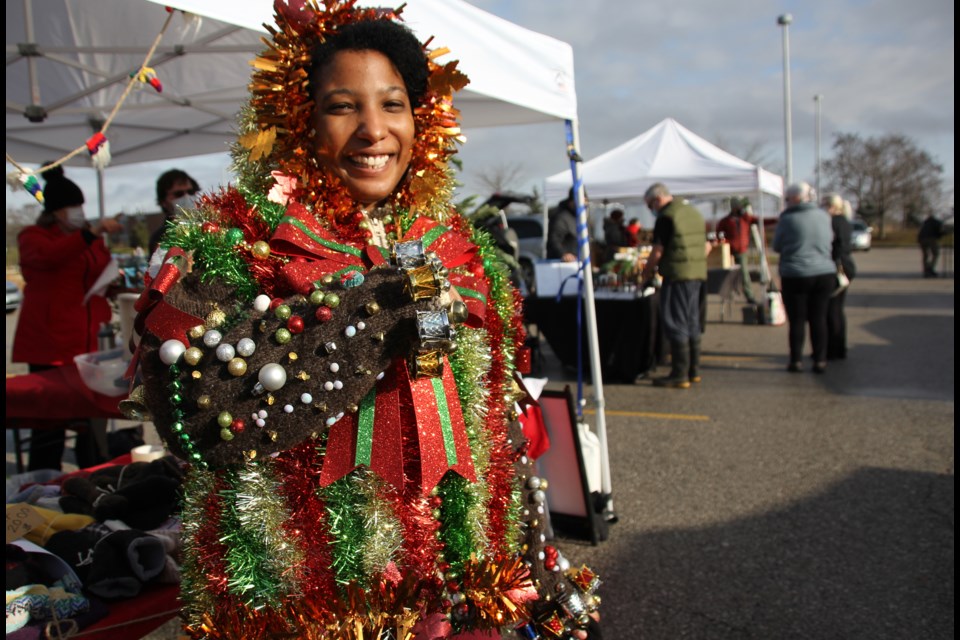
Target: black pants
[
  {"x": 47, "y": 444},
  {"x": 837, "y": 327},
  {"x": 931, "y": 253},
  {"x": 806, "y": 300}
]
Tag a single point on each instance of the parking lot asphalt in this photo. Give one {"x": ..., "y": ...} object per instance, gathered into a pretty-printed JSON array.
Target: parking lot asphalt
[{"x": 767, "y": 504}]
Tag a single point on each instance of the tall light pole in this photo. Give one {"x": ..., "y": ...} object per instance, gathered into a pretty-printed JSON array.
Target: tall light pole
[
  {"x": 784, "y": 21},
  {"x": 817, "y": 101}
]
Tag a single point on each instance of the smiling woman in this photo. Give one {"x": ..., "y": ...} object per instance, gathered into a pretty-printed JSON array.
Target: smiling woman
[{"x": 332, "y": 347}]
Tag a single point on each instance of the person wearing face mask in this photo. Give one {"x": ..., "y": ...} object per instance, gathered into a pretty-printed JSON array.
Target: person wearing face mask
[
  {"x": 175, "y": 191},
  {"x": 61, "y": 257}
]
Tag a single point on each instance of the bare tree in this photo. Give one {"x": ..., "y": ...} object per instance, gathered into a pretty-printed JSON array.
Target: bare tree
[
  {"x": 886, "y": 176},
  {"x": 756, "y": 152},
  {"x": 500, "y": 177}
]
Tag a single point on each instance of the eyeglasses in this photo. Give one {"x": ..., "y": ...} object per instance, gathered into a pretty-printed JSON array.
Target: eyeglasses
[{"x": 179, "y": 193}]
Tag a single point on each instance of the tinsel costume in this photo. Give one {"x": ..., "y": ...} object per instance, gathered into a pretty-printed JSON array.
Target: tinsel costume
[{"x": 357, "y": 468}]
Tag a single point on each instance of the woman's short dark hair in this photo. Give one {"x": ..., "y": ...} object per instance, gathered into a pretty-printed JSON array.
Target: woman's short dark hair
[{"x": 390, "y": 38}]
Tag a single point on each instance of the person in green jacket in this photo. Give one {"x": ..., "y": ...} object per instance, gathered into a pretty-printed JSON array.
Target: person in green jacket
[{"x": 680, "y": 254}]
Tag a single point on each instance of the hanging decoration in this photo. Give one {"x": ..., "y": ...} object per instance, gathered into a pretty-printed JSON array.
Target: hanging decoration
[
  {"x": 97, "y": 146},
  {"x": 24, "y": 179}
]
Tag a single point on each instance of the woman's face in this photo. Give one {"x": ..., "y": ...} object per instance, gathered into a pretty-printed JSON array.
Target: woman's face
[{"x": 364, "y": 123}]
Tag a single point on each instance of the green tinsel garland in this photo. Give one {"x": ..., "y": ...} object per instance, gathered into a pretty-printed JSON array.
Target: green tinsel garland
[
  {"x": 261, "y": 508},
  {"x": 271, "y": 212},
  {"x": 347, "y": 527},
  {"x": 513, "y": 522},
  {"x": 196, "y": 598},
  {"x": 220, "y": 259},
  {"x": 384, "y": 530},
  {"x": 256, "y": 582},
  {"x": 455, "y": 530},
  {"x": 470, "y": 365}
]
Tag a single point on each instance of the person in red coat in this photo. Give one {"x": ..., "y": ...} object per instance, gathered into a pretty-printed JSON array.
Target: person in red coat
[
  {"x": 735, "y": 229},
  {"x": 61, "y": 257}
]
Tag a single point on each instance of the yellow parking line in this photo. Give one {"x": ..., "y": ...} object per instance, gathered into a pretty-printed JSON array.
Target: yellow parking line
[
  {"x": 650, "y": 414},
  {"x": 734, "y": 358}
]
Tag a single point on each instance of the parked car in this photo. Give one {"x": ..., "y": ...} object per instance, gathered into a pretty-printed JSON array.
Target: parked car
[
  {"x": 530, "y": 243},
  {"x": 14, "y": 297},
  {"x": 861, "y": 235}
]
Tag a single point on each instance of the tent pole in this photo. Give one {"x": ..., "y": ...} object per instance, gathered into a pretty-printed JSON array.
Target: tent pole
[
  {"x": 103, "y": 212},
  {"x": 586, "y": 272},
  {"x": 764, "y": 269}
]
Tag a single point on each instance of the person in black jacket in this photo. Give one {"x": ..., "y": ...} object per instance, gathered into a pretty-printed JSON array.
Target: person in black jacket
[
  {"x": 562, "y": 230},
  {"x": 836, "y": 318},
  {"x": 929, "y": 238}
]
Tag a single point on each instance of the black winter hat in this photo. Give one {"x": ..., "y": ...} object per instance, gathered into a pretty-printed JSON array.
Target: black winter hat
[{"x": 59, "y": 191}]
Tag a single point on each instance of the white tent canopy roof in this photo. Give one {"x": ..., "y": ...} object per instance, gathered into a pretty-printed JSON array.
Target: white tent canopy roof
[
  {"x": 82, "y": 54},
  {"x": 671, "y": 154}
]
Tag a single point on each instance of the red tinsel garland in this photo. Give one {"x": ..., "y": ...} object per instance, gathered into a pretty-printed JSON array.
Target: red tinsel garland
[{"x": 299, "y": 471}]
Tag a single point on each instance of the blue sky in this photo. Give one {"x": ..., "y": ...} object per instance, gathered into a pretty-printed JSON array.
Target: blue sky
[{"x": 882, "y": 66}]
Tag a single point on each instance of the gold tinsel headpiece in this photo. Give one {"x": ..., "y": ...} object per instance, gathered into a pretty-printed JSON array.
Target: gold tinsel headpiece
[{"x": 277, "y": 129}]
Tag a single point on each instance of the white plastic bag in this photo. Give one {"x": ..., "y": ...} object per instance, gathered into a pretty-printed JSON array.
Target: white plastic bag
[{"x": 776, "y": 313}]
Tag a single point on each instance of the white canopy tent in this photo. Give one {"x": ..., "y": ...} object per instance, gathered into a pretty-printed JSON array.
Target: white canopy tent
[
  {"x": 68, "y": 62},
  {"x": 671, "y": 154}
]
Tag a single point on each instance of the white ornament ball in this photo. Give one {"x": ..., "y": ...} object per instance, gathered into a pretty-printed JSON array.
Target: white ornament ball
[
  {"x": 225, "y": 352},
  {"x": 261, "y": 303},
  {"x": 212, "y": 338},
  {"x": 170, "y": 351},
  {"x": 306, "y": 398},
  {"x": 272, "y": 376},
  {"x": 246, "y": 347}
]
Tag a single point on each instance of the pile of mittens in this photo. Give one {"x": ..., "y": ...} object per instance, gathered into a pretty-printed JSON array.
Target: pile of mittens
[
  {"x": 113, "y": 526},
  {"x": 112, "y": 561}
]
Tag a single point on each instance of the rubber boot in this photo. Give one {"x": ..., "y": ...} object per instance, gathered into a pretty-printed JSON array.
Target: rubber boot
[
  {"x": 679, "y": 367},
  {"x": 694, "y": 374}
]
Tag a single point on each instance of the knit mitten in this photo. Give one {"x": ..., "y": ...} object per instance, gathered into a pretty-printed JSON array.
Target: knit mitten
[{"x": 122, "y": 562}]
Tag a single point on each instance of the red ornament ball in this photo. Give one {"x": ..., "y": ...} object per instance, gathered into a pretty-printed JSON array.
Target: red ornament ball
[
  {"x": 237, "y": 426},
  {"x": 295, "y": 324},
  {"x": 276, "y": 302},
  {"x": 210, "y": 227},
  {"x": 324, "y": 313}
]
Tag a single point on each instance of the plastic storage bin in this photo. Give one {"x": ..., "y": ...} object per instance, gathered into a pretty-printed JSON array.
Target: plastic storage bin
[{"x": 102, "y": 371}]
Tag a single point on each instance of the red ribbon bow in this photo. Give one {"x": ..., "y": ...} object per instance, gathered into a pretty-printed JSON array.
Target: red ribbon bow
[
  {"x": 374, "y": 436},
  {"x": 156, "y": 315}
]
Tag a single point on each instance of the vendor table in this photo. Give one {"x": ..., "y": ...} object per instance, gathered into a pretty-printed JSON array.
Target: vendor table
[
  {"x": 48, "y": 398},
  {"x": 133, "y": 618},
  {"x": 628, "y": 331}
]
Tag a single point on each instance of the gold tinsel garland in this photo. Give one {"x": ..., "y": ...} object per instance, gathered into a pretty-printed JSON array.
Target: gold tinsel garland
[{"x": 277, "y": 132}]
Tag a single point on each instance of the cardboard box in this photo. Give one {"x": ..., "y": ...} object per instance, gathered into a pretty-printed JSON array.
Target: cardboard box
[
  {"x": 550, "y": 275},
  {"x": 720, "y": 257}
]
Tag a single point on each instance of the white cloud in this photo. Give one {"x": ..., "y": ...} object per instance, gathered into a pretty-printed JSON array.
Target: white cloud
[{"x": 716, "y": 67}]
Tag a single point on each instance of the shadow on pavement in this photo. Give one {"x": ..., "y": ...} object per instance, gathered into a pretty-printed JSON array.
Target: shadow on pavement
[{"x": 871, "y": 557}]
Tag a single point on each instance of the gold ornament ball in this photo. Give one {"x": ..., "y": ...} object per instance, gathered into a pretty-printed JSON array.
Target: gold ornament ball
[
  {"x": 260, "y": 250},
  {"x": 192, "y": 356},
  {"x": 197, "y": 332},
  {"x": 237, "y": 367},
  {"x": 216, "y": 318}
]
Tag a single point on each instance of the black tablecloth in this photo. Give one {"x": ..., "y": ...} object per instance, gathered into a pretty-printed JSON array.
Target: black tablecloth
[{"x": 628, "y": 333}]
